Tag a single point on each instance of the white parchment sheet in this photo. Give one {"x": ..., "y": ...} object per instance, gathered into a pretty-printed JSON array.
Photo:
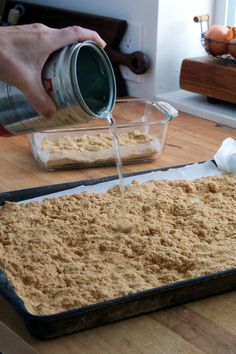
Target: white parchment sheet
[{"x": 188, "y": 172}]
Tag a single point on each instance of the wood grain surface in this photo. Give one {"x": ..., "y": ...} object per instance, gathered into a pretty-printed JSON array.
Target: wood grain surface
[
  {"x": 210, "y": 78},
  {"x": 12, "y": 343},
  {"x": 206, "y": 326}
]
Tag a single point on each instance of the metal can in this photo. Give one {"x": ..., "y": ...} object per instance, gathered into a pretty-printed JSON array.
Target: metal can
[{"x": 80, "y": 80}]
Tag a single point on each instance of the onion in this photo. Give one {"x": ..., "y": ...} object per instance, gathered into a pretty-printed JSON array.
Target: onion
[
  {"x": 232, "y": 47},
  {"x": 217, "y": 39}
]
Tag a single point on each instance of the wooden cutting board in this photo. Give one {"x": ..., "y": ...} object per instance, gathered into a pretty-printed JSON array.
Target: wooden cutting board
[
  {"x": 210, "y": 78},
  {"x": 11, "y": 343}
]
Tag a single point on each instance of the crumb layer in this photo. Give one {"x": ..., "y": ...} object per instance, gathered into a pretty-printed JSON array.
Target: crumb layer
[
  {"x": 97, "y": 149},
  {"x": 69, "y": 252}
]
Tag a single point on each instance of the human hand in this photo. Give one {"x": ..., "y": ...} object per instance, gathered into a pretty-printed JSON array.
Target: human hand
[{"x": 24, "y": 51}]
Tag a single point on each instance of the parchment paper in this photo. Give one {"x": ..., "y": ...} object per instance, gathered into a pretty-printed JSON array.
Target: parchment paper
[{"x": 189, "y": 172}]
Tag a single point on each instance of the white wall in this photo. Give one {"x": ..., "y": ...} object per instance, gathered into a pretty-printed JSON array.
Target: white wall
[
  {"x": 177, "y": 37},
  {"x": 225, "y": 12}
]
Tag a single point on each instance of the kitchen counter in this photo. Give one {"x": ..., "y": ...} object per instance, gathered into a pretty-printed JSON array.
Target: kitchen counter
[{"x": 206, "y": 326}]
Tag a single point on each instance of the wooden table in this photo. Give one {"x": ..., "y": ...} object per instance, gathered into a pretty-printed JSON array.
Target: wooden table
[{"x": 206, "y": 326}]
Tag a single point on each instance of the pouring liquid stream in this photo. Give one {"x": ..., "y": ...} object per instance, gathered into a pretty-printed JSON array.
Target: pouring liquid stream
[{"x": 119, "y": 165}]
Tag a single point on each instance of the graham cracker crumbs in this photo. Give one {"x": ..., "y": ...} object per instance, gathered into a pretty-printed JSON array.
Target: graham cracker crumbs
[
  {"x": 94, "y": 149},
  {"x": 95, "y": 142},
  {"x": 69, "y": 252}
]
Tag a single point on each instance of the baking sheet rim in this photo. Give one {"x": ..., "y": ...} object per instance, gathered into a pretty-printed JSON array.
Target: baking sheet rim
[{"x": 11, "y": 296}]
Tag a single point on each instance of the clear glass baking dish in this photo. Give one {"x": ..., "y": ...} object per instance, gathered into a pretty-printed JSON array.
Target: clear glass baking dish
[{"x": 142, "y": 128}]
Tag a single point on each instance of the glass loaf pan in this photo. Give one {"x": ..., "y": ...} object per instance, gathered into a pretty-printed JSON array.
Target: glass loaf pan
[{"x": 142, "y": 128}]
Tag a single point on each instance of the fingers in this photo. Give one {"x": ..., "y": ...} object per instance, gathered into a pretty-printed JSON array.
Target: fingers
[
  {"x": 40, "y": 100},
  {"x": 73, "y": 34},
  {"x": 27, "y": 50},
  {"x": 86, "y": 34}
]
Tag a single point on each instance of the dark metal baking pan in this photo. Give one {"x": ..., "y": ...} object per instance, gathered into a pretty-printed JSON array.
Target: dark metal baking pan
[{"x": 51, "y": 326}]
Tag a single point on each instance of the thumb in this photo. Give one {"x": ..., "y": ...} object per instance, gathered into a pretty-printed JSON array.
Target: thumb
[
  {"x": 40, "y": 100},
  {"x": 73, "y": 34}
]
